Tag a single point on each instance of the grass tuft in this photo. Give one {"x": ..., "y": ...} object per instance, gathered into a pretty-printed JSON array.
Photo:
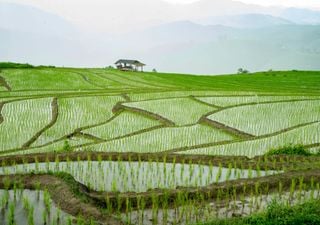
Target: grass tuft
[{"x": 289, "y": 150}]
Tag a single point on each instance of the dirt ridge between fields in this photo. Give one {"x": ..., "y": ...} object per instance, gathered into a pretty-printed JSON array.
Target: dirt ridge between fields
[
  {"x": 1, "y": 116},
  {"x": 54, "y": 117},
  {"x": 227, "y": 129},
  {"x": 120, "y": 107},
  {"x": 271, "y": 162},
  {"x": 257, "y": 103},
  {"x": 205, "y": 145},
  {"x": 62, "y": 195},
  {"x": 4, "y": 83}
]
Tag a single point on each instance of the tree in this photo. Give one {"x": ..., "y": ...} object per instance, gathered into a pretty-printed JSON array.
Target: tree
[
  {"x": 154, "y": 70},
  {"x": 243, "y": 71}
]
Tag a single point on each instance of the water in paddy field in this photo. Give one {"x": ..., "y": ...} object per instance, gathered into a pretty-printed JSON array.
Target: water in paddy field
[
  {"x": 194, "y": 214},
  {"x": 15, "y": 203},
  {"x": 138, "y": 176}
]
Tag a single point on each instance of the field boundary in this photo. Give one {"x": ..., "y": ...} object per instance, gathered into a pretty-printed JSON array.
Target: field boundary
[
  {"x": 4, "y": 83},
  {"x": 205, "y": 145},
  {"x": 54, "y": 117},
  {"x": 261, "y": 185},
  {"x": 257, "y": 103},
  {"x": 119, "y": 107},
  {"x": 1, "y": 107},
  {"x": 225, "y": 128}
]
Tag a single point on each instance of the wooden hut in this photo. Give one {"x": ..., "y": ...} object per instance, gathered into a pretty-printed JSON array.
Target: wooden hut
[{"x": 129, "y": 65}]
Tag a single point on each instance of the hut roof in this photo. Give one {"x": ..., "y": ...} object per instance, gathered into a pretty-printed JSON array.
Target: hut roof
[{"x": 130, "y": 61}]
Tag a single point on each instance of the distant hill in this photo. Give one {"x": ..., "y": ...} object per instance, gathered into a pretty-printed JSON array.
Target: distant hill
[
  {"x": 246, "y": 21},
  {"x": 301, "y": 16},
  {"x": 255, "y": 41}
]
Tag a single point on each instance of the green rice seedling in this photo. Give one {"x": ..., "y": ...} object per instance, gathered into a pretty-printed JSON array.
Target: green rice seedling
[
  {"x": 47, "y": 201},
  {"x": 15, "y": 191},
  {"x": 99, "y": 159},
  {"x": 171, "y": 109},
  {"x": 229, "y": 171},
  {"x": 5, "y": 200},
  {"x": 250, "y": 172},
  {"x": 280, "y": 189},
  {"x": 26, "y": 203},
  {"x": 7, "y": 183},
  {"x": 11, "y": 214},
  {"x": 251, "y": 201},
  {"x": 142, "y": 206},
  {"x": 20, "y": 186},
  {"x": 69, "y": 221},
  {"x": 257, "y": 188},
  {"x": 37, "y": 186},
  {"x": 276, "y": 116},
  {"x": 45, "y": 217},
  {"x": 292, "y": 188},
  {"x": 119, "y": 203},
  {"x": 57, "y": 161},
  {"x": 92, "y": 222},
  {"x": 219, "y": 173},
  {"x": 234, "y": 197},
  {"x": 58, "y": 215},
  {"x": 80, "y": 220},
  {"x": 30, "y": 216},
  {"x": 301, "y": 184},
  {"x": 312, "y": 187},
  {"x": 36, "y": 163},
  {"x": 128, "y": 211},
  {"x": 108, "y": 204},
  {"x": 258, "y": 170},
  {"x": 23, "y": 120}
]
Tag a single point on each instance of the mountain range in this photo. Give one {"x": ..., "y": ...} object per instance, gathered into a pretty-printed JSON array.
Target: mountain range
[{"x": 211, "y": 41}]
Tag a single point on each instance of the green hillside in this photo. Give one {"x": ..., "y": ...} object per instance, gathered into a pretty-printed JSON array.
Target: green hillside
[
  {"x": 153, "y": 148},
  {"x": 109, "y": 110}
]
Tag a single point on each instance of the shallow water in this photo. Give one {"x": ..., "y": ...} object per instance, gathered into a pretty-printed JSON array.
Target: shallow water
[
  {"x": 22, "y": 215},
  {"x": 193, "y": 214},
  {"x": 137, "y": 176}
]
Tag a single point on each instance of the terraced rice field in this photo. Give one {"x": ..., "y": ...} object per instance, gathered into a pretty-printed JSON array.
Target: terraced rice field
[{"x": 147, "y": 148}]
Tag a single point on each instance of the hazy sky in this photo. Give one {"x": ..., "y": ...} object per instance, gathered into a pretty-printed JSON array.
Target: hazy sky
[
  {"x": 300, "y": 3},
  {"x": 114, "y": 16},
  {"x": 294, "y": 3}
]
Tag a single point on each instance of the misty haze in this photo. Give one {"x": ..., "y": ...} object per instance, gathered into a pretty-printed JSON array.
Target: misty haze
[{"x": 203, "y": 37}]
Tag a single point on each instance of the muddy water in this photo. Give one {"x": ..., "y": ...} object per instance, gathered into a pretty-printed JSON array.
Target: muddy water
[
  {"x": 137, "y": 176},
  {"x": 35, "y": 200}
]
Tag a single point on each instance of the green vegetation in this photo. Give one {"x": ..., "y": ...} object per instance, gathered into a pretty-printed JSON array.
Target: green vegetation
[
  {"x": 7, "y": 65},
  {"x": 304, "y": 135},
  {"x": 22, "y": 119},
  {"x": 175, "y": 109},
  {"x": 289, "y": 150},
  {"x": 276, "y": 214},
  {"x": 265, "y": 119},
  {"x": 154, "y": 148}
]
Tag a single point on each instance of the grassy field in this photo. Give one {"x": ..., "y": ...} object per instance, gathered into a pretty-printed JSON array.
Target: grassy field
[{"x": 152, "y": 133}]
